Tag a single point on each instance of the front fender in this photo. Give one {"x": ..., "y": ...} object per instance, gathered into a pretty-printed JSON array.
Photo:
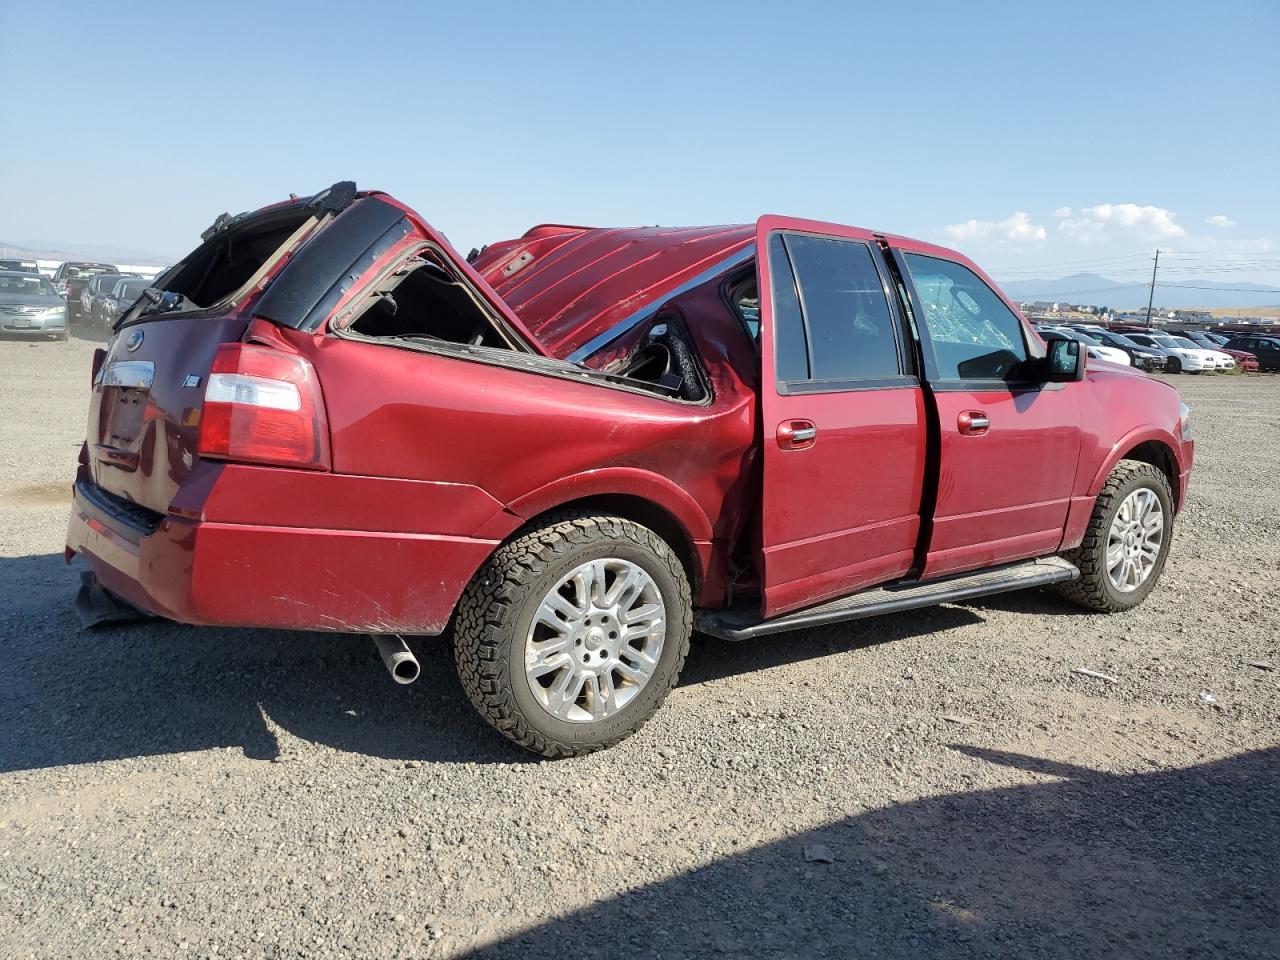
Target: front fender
[
  {"x": 1082, "y": 503},
  {"x": 1132, "y": 439}
]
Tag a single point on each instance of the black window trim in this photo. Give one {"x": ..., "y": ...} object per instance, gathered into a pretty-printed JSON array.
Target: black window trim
[
  {"x": 787, "y": 388},
  {"x": 731, "y": 283},
  {"x": 906, "y": 376}
]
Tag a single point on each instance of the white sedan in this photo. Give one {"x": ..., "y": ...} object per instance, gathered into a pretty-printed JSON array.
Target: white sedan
[
  {"x": 1184, "y": 355},
  {"x": 1102, "y": 351},
  {"x": 1225, "y": 360}
]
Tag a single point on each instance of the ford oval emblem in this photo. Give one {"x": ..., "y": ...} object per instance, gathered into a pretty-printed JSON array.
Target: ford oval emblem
[{"x": 134, "y": 340}]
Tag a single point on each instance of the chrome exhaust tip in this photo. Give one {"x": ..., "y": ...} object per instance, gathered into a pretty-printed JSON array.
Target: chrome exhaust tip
[{"x": 399, "y": 659}]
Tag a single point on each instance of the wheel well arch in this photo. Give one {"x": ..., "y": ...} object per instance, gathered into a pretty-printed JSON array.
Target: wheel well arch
[
  {"x": 638, "y": 510},
  {"x": 1160, "y": 455}
]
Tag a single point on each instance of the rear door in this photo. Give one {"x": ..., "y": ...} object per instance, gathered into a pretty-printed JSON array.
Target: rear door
[
  {"x": 1008, "y": 444},
  {"x": 843, "y": 417}
]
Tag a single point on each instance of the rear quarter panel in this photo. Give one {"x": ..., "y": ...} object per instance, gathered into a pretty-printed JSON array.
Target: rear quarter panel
[{"x": 533, "y": 442}]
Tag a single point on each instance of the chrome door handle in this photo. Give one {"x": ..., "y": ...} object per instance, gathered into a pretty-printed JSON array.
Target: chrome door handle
[
  {"x": 973, "y": 423},
  {"x": 797, "y": 434}
]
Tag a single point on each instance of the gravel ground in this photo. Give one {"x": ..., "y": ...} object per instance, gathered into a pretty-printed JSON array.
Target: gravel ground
[{"x": 173, "y": 791}]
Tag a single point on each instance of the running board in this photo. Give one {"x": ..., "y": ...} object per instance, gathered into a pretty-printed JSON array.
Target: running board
[{"x": 744, "y": 625}]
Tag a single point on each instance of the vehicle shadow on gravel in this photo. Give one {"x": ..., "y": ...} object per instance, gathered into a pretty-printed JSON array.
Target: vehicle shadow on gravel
[
  {"x": 1043, "y": 602},
  {"x": 1172, "y": 863},
  {"x": 711, "y": 658},
  {"x": 72, "y": 696}
]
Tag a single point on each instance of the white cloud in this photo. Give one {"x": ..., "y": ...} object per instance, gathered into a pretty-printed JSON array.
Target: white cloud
[
  {"x": 1219, "y": 220},
  {"x": 1098, "y": 222},
  {"x": 1062, "y": 212},
  {"x": 1016, "y": 228}
]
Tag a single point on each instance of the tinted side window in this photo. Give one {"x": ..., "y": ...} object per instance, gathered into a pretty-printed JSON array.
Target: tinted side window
[
  {"x": 788, "y": 323},
  {"x": 975, "y": 336},
  {"x": 845, "y": 309}
]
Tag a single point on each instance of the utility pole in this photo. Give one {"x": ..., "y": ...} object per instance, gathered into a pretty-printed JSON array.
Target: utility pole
[{"x": 1151, "y": 298}]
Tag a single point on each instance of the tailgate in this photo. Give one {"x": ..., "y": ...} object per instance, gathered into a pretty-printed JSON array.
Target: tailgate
[
  {"x": 144, "y": 415},
  {"x": 284, "y": 263}
]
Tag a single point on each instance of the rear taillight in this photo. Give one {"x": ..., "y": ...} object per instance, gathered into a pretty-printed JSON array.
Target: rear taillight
[{"x": 264, "y": 406}]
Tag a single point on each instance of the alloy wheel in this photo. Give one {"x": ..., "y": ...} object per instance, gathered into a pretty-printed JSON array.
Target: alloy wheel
[
  {"x": 595, "y": 640},
  {"x": 1135, "y": 540}
]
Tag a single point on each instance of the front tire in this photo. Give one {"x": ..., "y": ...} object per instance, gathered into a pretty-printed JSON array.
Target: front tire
[
  {"x": 1126, "y": 542},
  {"x": 572, "y": 634}
]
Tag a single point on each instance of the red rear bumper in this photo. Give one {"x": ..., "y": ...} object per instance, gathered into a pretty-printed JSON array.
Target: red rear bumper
[{"x": 257, "y": 575}]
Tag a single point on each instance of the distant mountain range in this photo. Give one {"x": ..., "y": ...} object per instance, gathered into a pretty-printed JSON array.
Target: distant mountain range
[
  {"x": 1097, "y": 290},
  {"x": 66, "y": 250}
]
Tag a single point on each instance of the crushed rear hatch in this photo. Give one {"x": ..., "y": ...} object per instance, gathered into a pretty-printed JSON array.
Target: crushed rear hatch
[
  {"x": 144, "y": 414},
  {"x": 292, "y": 264}
]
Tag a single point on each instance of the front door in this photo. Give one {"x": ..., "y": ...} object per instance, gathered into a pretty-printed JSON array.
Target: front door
[
  {"x": 1008, "y": 443},
  {"x": 842, "y": 414}
]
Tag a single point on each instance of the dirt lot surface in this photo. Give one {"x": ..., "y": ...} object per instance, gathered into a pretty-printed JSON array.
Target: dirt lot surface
[{"x": 182, "y": 792}]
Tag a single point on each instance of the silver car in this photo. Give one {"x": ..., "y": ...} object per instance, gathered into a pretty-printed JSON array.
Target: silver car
[{"x": 29, "y": 304}]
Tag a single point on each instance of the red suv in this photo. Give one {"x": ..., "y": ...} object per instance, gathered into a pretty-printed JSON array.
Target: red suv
[{"x": 580, "y": 445}]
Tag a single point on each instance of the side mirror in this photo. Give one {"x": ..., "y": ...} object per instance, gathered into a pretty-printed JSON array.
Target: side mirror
[{"x": 1065, "y": 361}]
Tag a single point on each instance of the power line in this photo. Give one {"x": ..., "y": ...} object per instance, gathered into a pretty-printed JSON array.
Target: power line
[
  {"x": 1073, "y": 263},
  {"x": 1188, "y": 286},
  {"x": 1182, "y": 266},
  {"x": 1120, "y": 288}
]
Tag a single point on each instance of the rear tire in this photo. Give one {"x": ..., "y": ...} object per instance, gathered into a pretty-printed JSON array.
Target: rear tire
[
  {"x": 575, "y": 682},
  {"x": 1119, "y": 531},
  {"x": 1173, "y": 365}
]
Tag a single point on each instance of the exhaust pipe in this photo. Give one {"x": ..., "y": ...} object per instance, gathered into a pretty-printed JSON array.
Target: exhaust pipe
[{"x": 400, "y": 661}]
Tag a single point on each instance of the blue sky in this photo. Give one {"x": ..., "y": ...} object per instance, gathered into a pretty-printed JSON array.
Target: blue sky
[{"x": 1039, "y": 140}]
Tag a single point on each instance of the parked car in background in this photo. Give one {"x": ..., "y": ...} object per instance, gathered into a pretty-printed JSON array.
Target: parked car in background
[
  {"x": 29, "y": 304},
  {"x": 71, "y": 276},
  {"x": 1221, "y": 359},
  {"x": 1095, "y": 347},
  {"x": 122, "y": 294},
  {"x": 92, "y": 293},
  {"x": 19, "y": 266},
  {"x": 1182, "y": 358},
  {"x": 1213, "y": 341},
  {"x": 1051, "y": 332},
  {"x": 1142, "y": 357},
  {"x": 583, "y": 442},
  {"x": 1266, "y": 349}
]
